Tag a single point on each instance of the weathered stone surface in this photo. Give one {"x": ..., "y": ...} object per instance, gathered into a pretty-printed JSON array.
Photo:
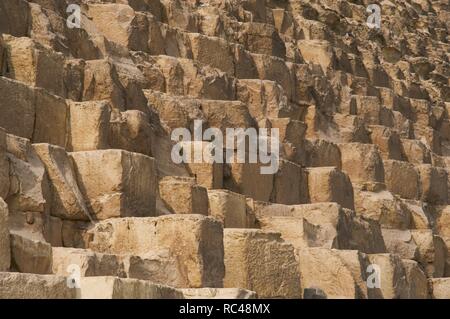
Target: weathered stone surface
[
  {"x": 5, "y": 250},
  {"x": 439, "y": 288},
  {"x": 402, "y": 179},
  {"x": 183, "y": 196},
  {"x": 434, "y": 184},
  {"x": 320, "y": 225},
  {"x": 230, "y": 208},
  {"x": 17, "y": 120},
  {"x": 4, "y": 166},
  {"x": 432, "y": 252},
  {"x": 393, "y": 279},
  {"x": 29, "y": 255},
  {"x": 383, "y": 207},
  {"x": 362, "y": 162},
  {"x": 90, "y": 263},
  {"x": 199, "y": 259},
  {"x": 116, "y": 183},
  {"x": 89, "y": 125},
  {"x": 67, "y": 200},
  {"x": 416, "y": 280},
  {"x": 124, "y": 288},
  {"x": 328, "y": 184},
  {"x": 15, "y": 285},
  {"x": 217, "y": 293},
  {"x": 279, "y": 277},
  {"x": 324, "y": 269}
]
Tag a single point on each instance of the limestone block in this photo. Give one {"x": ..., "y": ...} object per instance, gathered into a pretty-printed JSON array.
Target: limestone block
[
  {"x": 67, "y": 200},
  {"x": 123, "y": 288},
  {"x": 90, "y": 263},
  {"x": 116, "y": 183},
  {"x": 194, "y": 241},
  {"x": 15, "y": 285},
  {"x": 29, "y": 255},
  {"x": 393, "y": 280},
  {"x": 439, "y": 288},
  {"x": 183, "y": 196},
  {"x": 432, "y": 252},
  {"x": 89, "y": 125},
  {"x": 433, "y": 184},
  {"x": 402, "y": 179},
  {"x": 230, "y": 208},
  {"x": 328, "y": 184},
  {"x": 277, "y": 277},
  {"x": 362, "y": 162},
  {"x": 217, "y": 293},
  {"x": 416, "y": 280},
  {"x": 5, "y": 250}
]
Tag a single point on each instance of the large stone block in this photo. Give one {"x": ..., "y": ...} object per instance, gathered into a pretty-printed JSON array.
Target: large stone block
[
  {"x": 320, "y": 225},
  {"x": 89, "y": 125},
  {"x": 337, "y": 274},
  {"x": 4, "y": 165},
  {"x": 208, "y": 173},
  {"x": 230, "y": 208},
  {"x": 217, "y": 293},
  {"x": 122, "y": 288},
  {"x": 416, "y": 280},
  {"x": 384, "y": 207},
  {"x": 392, "y": 275},
  {"x": 67, "y": 200},
  {"x": 183, "y": 196},
  {"x": 90, "y": 263},
  {"x": 402, "y": 179},
  {"x": 51, "y": 125},
  {"x": 17, "y": 107},
  {"x": 434, "y": 184},
  {"x": 277, "y": 277},
  {"x": 362, "y": 162},
  {"x": 116, "y": 183},
  {"x": 15, "y": 285},
  {"x": 212, "y": 51},
  {"x": 328, "y": 184},
  {"x": 119, "y": 23},
  {"x": 5, "y": 250},
  {"x": 29, "y": 191},
  {"x": 34, "y": 64},
  {"x": 131, "y": 131},
  {"x": 439, "y": 288},
  {"x": 400, "y": 242},
  {"x": 29, "y": 255},
  {"x": 290, "y": 185},
  {"x": 432, "y": 252},
  {"x": 246, "y": 179},
  {"x": 194, "y": 241}
]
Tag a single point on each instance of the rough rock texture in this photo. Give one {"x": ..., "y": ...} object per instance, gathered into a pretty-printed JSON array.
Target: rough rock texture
[{"x": 89, "y": 123}]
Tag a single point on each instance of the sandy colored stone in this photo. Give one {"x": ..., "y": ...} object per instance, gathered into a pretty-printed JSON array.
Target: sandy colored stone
[
  {"x": 5, "y": 250},
  {"x": 90, "y": 263},
  {"x": 67, "y": 199},
  {"x": 15, "y": 285},
  {"x": 393, "y": 279},
  {"x": 116, "y": 183},
  {"x": 194, "y": 241},
  {"x": 279, "y": 277},
  {"x": 183, "y": 196},
  {"x": 89, "y": 125},
  {"x": 328, "y": 184},
  {"x": 228, "y": 207},
  {"x": 124, "y": 288},
  {"x": 218, "y": 293},
  {"x": 29, "y": 255}
]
